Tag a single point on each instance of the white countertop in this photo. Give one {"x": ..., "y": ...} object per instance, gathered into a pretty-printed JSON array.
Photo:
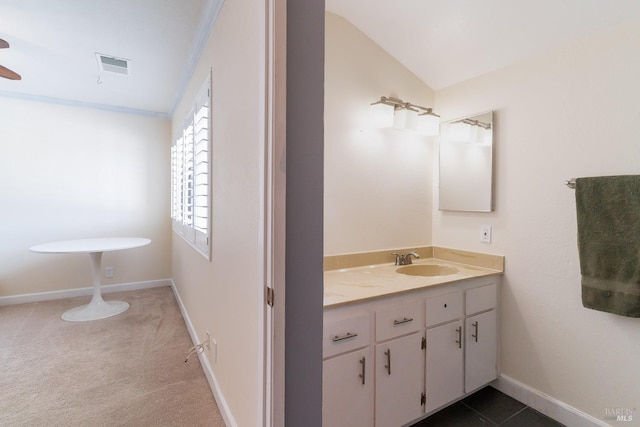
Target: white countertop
[{"x": 362, "y": 283}]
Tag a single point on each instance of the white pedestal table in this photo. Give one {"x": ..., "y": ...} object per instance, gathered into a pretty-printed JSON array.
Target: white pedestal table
[{"x": 97, "y": 308}]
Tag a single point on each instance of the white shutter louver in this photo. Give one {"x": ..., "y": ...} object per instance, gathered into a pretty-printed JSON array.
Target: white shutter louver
[
  {"x": 190, "y": 175},
  {"x": 201, "y": 165}
]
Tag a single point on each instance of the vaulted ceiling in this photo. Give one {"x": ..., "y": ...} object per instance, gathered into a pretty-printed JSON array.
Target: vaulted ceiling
[
  {"x": 54, "y": 42},
  {"x": 445, "y": 42}
]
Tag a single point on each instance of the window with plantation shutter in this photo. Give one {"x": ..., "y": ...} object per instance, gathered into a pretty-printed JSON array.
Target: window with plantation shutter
[{"x": 190, "y": 174}]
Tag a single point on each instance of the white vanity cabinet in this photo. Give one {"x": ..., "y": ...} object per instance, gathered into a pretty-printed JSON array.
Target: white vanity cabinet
[
  {"x": 399, "y": 364},
  {"x": 347, "y": 389},
  {"x": 461, "y": 354},
  {"x": 481, "y": 337},
  {"x": 444, "y": 373},
  {"x": 390, "y": 360},
  {"x": 347, "y": 371}
]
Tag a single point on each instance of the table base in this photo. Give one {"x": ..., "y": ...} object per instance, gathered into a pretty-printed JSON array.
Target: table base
[{"x": 95, "y": 310}]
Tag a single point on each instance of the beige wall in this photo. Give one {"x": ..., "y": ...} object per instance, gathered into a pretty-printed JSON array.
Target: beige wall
[
  {"x": 225, "y": 295},
  {"x": 69, "y": 173},
  {"x": 378, "y": 183},
  {"x": 570, "y": 113}
]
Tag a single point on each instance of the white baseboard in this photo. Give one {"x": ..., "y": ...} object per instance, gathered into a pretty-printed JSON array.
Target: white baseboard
[
  {"x": 223, "y": 406},
  {"x": 545, "y": 404},
  {"x": 82, "y": 292}
]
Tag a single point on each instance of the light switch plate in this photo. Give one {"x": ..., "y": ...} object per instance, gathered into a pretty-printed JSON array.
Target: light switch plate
[{"x": 485, "y": 234}]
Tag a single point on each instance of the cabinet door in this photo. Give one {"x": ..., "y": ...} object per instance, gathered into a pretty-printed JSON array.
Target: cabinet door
[
  {"x": 399, "y": 380},
  {"x": 347, "y": 390},
  {"x": 445, "y": 365},
  {"x": 481, "y": 349}
]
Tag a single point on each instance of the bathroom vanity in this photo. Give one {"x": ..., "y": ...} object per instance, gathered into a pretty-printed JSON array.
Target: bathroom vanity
[{"x": 398, "y": 346}]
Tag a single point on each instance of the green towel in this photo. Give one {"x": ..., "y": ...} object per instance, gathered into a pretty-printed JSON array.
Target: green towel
[{"x": 608, "y": 214}]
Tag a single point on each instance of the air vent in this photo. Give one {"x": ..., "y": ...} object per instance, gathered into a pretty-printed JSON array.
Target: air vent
[{"x": 113, "y": 64}]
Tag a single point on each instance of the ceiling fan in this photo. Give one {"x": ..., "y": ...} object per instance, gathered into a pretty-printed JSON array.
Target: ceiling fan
[{"x": 4, "y": 71}]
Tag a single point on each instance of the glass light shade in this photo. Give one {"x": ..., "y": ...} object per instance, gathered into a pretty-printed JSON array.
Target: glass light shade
[
  {"x": 487, "y": 137},
  {"x": 411, "y": 122},
  {"x": 476, "y": 134},
  {"x": 460, "y": 132},
  {"x": 381, "y": 115},
  {"x": 400, "y": 118},
  {"x": 405, "y": 119},
  {"x": 428, "y": 124}
]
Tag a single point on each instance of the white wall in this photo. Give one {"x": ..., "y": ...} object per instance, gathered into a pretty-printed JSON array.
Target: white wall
[
  {"x": 378, "y": 183},
  {"x": 570, "y": 113},
  {"x": 69, "y": 173},
  {"x": 225, "y": 295}
]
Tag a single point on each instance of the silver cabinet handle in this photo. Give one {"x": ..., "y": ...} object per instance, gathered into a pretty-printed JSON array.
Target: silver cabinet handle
[
  {"x": 344, "y": 337},
  {"x": 475, "y": 326},
  {"x": 404, "y": 320},
  {"x": 363, "y": 362},
  {"x": 459, "y": 340},
  {"x": 388, "y": 365}
]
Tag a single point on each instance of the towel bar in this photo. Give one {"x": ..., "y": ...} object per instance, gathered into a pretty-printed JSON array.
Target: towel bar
[{"x": 571, "y": 183}]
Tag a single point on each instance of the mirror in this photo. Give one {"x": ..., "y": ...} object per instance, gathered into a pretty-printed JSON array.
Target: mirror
[{"x": 466, "y": 164}]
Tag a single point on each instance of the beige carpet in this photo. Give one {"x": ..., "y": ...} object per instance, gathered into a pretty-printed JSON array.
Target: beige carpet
[{"x": 127, "y": 370}]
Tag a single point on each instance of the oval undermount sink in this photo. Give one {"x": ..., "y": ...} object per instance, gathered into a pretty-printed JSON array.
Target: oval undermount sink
[{"x": 427, "y": 270}]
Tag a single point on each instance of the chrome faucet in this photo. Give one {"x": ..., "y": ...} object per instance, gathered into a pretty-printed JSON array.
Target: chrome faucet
[
  {"x": 399, "y": 258},
  {"x": 407, "y": 257},
  {"x": 402, "y": 259}
]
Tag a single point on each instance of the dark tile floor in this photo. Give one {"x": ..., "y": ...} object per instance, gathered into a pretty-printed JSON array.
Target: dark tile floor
[{"x": 487, "y": 407}]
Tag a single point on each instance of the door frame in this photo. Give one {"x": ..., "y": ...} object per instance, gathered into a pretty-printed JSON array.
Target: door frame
[{"x": 275, "y": 207}]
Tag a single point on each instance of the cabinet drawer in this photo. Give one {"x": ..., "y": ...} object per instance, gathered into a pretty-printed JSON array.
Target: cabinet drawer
[
  {"x": 444, "y": 308},
  {"x": 345, "y": 335},
  {"x": 398, "y": 320},
  {"x": 481, "y": 299}
]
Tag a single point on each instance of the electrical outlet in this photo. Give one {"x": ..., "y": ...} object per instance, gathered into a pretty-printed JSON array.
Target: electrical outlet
[
  {"x": 108, "y": 272},
  {"x": 485, "y": 234},
  {"x": 212, "y": 347}
]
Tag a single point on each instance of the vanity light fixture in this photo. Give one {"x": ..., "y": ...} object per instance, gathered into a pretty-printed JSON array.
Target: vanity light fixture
[
  {"x": 487, "y": 136},
  {"x": 472, "y": 122},
  {"x": 389, "y": 111},
  {"x": 382, "y": 113},
  {"x": 405, "y": 118},
  {"x": 461, "y": 130},
  {"x": 428, "y": 123}
]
